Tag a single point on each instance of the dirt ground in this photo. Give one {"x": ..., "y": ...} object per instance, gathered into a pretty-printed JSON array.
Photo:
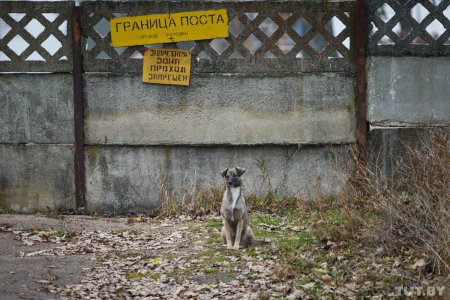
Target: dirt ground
[
  {"x": 26, "y": 276},
  {"x": 82, "y": 257},
  {"x": 86, "y": 257},
  {"x": 20, "y": 276}
]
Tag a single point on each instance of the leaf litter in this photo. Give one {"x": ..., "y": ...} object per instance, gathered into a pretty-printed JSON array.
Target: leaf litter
[{"x": 181, "y": 258}]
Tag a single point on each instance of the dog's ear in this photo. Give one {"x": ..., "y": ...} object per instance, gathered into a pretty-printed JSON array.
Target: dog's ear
[
  {"x": 240, "y": 171},
  {"x": 224, "y": 172}
]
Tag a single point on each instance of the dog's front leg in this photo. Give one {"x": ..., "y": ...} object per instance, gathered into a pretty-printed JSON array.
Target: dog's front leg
[
  {"x": 237, "y": 241},
  {"x": 227, "y": 228}
]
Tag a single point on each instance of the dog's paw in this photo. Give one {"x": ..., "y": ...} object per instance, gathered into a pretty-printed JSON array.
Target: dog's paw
[
  {"x": 236, "y": 247},
  {"x": 229, "y": 246}
]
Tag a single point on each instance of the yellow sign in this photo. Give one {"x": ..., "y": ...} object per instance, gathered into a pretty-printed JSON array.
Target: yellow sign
[
  {"x": 168, "y": 28},
  {"x": 167, "y": 66}
]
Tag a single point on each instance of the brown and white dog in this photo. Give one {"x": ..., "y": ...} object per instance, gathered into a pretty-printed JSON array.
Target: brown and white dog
[{"x": 235, "y": 231}]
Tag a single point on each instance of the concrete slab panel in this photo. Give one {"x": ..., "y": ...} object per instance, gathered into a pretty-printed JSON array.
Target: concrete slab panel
[
  {"x": 221, "y": 109},
  {"x": 123, "y": 179},
  {"x": 391, "y": 148},
  {"x": 414, "y": 90},
  {"x": 35, "y": 177},
  {"x": 36, "y": 108}
]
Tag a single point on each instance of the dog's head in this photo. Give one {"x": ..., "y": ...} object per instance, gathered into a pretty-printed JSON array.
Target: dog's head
[{"x": 233, "y": 176}]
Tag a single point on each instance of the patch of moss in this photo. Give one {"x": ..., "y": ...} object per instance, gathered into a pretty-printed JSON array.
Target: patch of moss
[
  {"x": 214, "y": 239},
  {"x": 214, "y": 223},
  {"x": 136, "y": 275},
  {"x": 303, "y": 280},
  {"x": 296, "y": 241},
  {"x": 194, "y": 227},
  {"x": 179, "y": 273},
  {"x": 258, "y": 218},
  {"x": 155, "y": 276},
  {"x": 252, "y": 253},
  {"x": 210, "y": 271}
]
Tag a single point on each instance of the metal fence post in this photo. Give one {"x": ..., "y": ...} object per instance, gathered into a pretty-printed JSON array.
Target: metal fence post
[
  {"x": 78, "y": 110},
  {"x": 360, "y": 42}
]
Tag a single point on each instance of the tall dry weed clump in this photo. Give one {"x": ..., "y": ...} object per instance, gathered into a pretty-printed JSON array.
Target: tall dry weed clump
[
  {"x": 412, "y": 198},
  {"x": 204, "y": 202}
]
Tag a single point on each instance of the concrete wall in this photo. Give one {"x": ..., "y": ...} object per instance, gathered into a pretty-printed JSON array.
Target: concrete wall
[
  {"x": 412, "y": 90},
  {"x": 221, "y": 109},
  {"x": 36, "y": 108},
  {"x": 145, "y": 140},
  {"x": 390, "y": 148},
  {"x": 36, "y": 150},
  {"x": 200, "y": 123},
  {"x": 36, "y": 178},
  {"x": 36, "y": 136},
  {"x": 205, "y": 127},
  {"x": 409, "y": 93},
  {"x": 123, "y": 179},
  {"x": 36, "y": 143}
]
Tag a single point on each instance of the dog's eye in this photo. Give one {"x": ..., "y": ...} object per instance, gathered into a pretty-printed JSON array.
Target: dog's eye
[{"x": 226, "y": 176}]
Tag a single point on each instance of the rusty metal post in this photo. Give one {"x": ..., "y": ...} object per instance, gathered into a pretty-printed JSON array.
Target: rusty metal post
[
  {"x": 80, "y": 200},
  {"x": 360, "y": 43}
]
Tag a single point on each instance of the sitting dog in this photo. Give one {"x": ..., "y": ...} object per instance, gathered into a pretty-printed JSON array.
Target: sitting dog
[{"x": 235, "y": 230}]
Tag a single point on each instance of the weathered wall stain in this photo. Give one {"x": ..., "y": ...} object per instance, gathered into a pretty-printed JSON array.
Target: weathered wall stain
[
  {"x": 399, "y": 93},
  {"x": 36, "y": 178},
  {"x": 136, "y": 178},
  {"x": 36, "y": 108},
  {"x": 258, "y": 110}
]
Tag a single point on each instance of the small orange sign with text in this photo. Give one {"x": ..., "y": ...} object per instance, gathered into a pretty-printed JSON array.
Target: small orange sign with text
[{"x": 167, "y": 66}]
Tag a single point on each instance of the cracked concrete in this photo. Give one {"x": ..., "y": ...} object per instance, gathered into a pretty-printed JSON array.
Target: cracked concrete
[{"x": 408, "y": 90}]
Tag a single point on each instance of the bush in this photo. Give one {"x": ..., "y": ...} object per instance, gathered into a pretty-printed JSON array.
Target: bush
[{"x": 413, "y": 200}]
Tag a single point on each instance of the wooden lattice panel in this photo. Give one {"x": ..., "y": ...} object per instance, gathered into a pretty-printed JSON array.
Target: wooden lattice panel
[
  {"x": 420, "y": 27},
  {"x": 35, "y": 37},
  {"x": 264, "y": 37}
]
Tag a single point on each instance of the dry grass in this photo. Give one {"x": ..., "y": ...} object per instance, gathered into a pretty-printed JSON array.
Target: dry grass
[
  {"x": 409, "y": 208},
  {"x": 205, "y": 202},
  {"x": 412, "y": 201}
]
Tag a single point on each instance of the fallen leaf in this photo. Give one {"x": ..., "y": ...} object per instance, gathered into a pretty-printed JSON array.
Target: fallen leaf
[
  {"x": 156, "y": 260},
  {"x": 420, "y": 263},
  {"x": 43, "y": 281},
  {"x": 326, "y": 278},
  {"x": 296, "y": 228},
  {"x": 308, "y": 285}
]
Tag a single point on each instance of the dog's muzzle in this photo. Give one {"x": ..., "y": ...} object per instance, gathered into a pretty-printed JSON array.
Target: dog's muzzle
[{"x": 234, "y": 182}]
